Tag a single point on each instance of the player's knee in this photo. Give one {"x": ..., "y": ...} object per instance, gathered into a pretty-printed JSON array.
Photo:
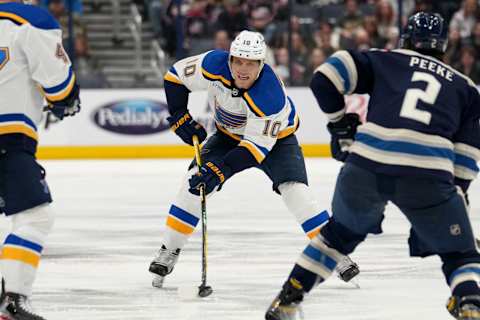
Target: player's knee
[
  {"x": 340, "y": 237},
  {"x": 39, "y": 219}
]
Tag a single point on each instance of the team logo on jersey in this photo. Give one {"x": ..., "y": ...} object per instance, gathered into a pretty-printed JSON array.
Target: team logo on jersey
[
  {"x": 4, "y": 56},
  {"x": 133, "y": 117},
  {"x": 455, "y": 230}
]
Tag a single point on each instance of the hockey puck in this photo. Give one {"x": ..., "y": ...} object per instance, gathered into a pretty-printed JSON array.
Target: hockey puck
[{"x": 204, "y": 291}]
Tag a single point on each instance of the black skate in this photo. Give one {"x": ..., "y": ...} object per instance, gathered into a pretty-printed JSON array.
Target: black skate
[
  {"x": 162, "y": 265},
  {"x": 347, "y": 269},
  {"x": 286, "y": 305},
  {"x": 16, "y": 307},
  {"x": 464, "y": 308}
]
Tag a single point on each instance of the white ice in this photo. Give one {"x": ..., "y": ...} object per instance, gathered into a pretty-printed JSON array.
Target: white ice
[{"x": 110, "y": 217}]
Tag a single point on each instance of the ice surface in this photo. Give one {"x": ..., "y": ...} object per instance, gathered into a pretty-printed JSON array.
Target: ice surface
[{"x": 110, "y": 216}]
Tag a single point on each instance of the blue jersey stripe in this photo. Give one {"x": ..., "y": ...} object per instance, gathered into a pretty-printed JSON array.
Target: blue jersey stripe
[
  {"x": 291, "y": 116},
  {"x": 465, "y": 161},
  {"x": 342, "y": 70},
  {"x": 314, "y": 222},
  {"x": 35, "y": 15},
  {"x": 404, "y": 147},
  {"x": 183, "y": 215},
  {"x": 230, "y": 116},
  {"x": 320, "y": 257},
  {"x": 16, "y": 240},
  {"x": 61, "y": 86},
  {"x": 17, "y": 117}
]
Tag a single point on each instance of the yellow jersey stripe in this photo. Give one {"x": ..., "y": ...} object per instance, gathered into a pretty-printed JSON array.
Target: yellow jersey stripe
[
  {"x": 13, "y": 17},
  {"x": 18, "y": 128},
  {"x": 25, "y": 256},
  {"x": 289, "y": 130},
  {"x": 179, "y": 226},
  {"x": 259, "y": 156},
  {"x": 253, "y": 106},
  {"x": 172, "y": 78},
  {"x": 216, "y": 77},
  {"x": 228, "y": 133},
  {"x": 62, "y": 94}
]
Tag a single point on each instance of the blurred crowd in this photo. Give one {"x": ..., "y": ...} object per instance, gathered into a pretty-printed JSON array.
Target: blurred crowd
[{"x": 319, "y": 27}]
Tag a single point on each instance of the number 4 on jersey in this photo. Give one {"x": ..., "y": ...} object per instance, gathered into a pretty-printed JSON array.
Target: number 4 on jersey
[{"x": 4, "y": 57}]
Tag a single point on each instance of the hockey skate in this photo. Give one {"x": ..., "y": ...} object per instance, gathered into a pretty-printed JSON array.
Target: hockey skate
[
  {"x": 347, "y": 269},
  {"x": 286, "y": 306},
  {"x": 162, "y": 265},
  {"x": 464, "y": 308},
  {"x": 16, "y": 307}
]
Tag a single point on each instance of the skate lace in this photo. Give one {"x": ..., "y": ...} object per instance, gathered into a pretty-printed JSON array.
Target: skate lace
[
  {"x": 166, "y": 257},
  {"x": 23, "y": 303}
]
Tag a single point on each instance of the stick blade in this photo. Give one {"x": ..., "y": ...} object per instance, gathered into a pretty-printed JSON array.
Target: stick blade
[{"x": 204, "y": 291}]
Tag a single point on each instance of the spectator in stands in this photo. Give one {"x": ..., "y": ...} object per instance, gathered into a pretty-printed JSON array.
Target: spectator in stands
[
  {"x": 317, "y": 57},
  {"x": 154, "y": 13},
  {"x": 221, "y": 40},
  {"x": 464, "y": 19},
  {"x": 232, "y": 18},
  {"x": 370, "y": 26},
  {"x": 324, "y": 39},
  {"x": 87, "y": 70},
  {"x": 77, "y": 6},
  {"x": 468, "y": 65},
  {"x": 475, "y": 38},
  {"x": 352, "y": 18},
  {"x": 454, "y": 45},
  {"x": 261, "y": 20},
  {"x": 58, "y": 10},
  {"x": 197, "y": 18},
  {"x": 362, "y": 40},
  {"x": 281, "y": 65},
  {"x": 386, "y": 23}
]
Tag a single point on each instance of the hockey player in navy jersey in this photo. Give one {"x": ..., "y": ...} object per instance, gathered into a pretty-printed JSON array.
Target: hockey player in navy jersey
[
  {"x": 256, "y": 123},
  {"x": 418, "y": 149},
  {"x": 33, "y": 67}
]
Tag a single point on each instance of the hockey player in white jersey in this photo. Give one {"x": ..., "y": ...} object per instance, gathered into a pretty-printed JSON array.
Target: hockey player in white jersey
[
  {"x": 33, "y": 67},
  {"x": 256, "y": 123}
]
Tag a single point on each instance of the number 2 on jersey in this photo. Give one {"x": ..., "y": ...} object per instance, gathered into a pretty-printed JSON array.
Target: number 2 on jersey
[
  {"x": 429, "y": 95},
  {"x": 4, "y": 57}
]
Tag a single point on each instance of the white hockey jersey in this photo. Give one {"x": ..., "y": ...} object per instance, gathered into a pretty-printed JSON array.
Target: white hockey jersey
[
  {"x": 33, "y": 66},
  {"x": 256, "y": 117}
]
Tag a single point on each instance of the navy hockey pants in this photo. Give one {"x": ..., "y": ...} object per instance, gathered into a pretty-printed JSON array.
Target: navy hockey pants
[
  {"x": 436, "y": 210},
  {"x": 22, "y": 182},
  {"x": 284, "y": 163}
]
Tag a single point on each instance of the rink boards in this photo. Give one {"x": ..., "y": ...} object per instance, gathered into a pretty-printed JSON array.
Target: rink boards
[{"x": 132, "y": 124}]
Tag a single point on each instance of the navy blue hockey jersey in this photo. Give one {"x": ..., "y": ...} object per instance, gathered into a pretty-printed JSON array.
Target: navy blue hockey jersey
[{"x": 423, "y": 116}]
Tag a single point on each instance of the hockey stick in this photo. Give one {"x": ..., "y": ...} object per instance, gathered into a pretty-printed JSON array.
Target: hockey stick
[{"x": 203, "y": 289}]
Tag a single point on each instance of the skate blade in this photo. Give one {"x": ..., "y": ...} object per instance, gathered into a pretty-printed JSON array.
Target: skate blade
[
  {"x": 355, "y": 283},
  {"x": 157, "y": 282}
]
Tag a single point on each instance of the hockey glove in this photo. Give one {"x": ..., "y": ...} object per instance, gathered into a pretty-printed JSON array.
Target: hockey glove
[
  {"x": 66, "y": 107},
  {"x": 342, "y": 135},
  {"x": 185, "y": 127},
  {"x": 211, "y": 175}
]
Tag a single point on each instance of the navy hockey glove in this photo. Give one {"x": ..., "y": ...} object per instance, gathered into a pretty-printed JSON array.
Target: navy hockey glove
[
  {"x": 342, "y": 135},
  {"x": 185, "y": 127},
  {"x": 211, "y": 175},
  {"x": 66, "y": 107}
]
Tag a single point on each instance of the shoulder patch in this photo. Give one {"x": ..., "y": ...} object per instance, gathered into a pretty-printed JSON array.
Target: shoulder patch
[
  {"x": 215, "y": 67},
  {"x": 267, "y": 96},
  {"x": 21, "y": 14}
]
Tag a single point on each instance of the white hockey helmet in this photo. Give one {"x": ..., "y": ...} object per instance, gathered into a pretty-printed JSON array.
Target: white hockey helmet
[{"x": 249, "y": 45}]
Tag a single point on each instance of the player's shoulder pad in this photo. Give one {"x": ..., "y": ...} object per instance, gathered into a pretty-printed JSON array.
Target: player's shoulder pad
[
  {"x": 266, "y": 96},
  {"x": 36, "y": 16},
  {"x": 215, "y": 67}
]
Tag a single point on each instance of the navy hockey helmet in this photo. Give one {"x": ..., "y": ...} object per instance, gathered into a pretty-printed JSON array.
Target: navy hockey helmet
[{"x": 425, "y": 31}]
